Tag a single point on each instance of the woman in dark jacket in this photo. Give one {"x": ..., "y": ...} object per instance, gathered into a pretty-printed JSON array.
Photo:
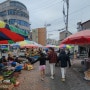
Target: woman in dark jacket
[
  {"x": 64, "y": 60},
  {"x": 42, "y": 65}
]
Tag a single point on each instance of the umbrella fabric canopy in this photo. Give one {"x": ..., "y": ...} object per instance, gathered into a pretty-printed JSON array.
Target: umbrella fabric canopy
[
  {"x": 30, "y": 46},
  {"x": 80, "y": 38},
  {"x": 62, "y": 46},
  {"x": 6, "y": 34},
  {"x": 15, "y": 45},
  {"x": 47, "y": 46},
  {"x": 22, "y": 43},
  {"x": 2, "y": 24},
  {"x": 25, "y": 42},
  {"x": 68, "y": 46},
  {"x": 39, "y": 45},
  {"x": 65, "y": 46},
  {"x": 6, "y": 42},
  {"x": 13, "y": 29},
  {"x": 17, "y": 30}
]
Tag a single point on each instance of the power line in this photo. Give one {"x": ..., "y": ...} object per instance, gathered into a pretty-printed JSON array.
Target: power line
[
  {"x": 75, "y": 12},
  {"x": 72, "y": 13},
  {"x": 47, "y": 6}
]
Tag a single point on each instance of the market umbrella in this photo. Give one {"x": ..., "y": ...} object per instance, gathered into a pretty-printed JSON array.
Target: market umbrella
[
  {"x": 47, "y": 46},
  {"x": 15, "y": 45},
  {"x": 25, "y": 42},
  {"x": 62, "y": 46},
  {"x": 65, "y": 46},
  {"x": 80, "y": 38},
  {"x": 13, "y": 29},
  {"x": 6, "y": 34},
  {"x": 2, "y": 24},
  {"x": 6, "y": 42},
  {"x": 30, "y": 46}
]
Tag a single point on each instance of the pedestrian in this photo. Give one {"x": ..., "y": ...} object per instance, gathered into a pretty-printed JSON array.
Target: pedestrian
[
  {"x": 75, "y": 54},
  {"x": 52, "y": 56},
  {"x": 42, "y": 65},
  {"x": 68, "y": 54},
  {"x": 58, "y": 62},
  {"x": 63, "y": 61}
]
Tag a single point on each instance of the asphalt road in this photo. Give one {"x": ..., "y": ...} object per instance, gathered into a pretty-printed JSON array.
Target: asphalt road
[{"x": 30, "y": 80}]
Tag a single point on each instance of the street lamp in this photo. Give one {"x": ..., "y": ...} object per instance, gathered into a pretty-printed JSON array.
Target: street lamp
[{"x": 61, "y": 29}]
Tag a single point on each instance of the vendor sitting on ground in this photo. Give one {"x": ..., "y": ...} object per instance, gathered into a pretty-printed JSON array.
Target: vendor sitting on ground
[
  {"x": 18, "y": 67},
  {"x": 10, "y": 57},
  {"x": 4, "y": 60}
]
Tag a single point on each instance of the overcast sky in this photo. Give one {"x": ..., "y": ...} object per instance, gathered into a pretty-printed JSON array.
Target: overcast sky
[{"x": 50, "y": 12}]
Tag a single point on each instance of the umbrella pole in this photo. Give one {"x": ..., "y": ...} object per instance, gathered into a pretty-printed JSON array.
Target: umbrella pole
[
  {"x": 0, "y": 52},
  {"x": 88, "y": 52},
  {"x": 8, "y": 47}
]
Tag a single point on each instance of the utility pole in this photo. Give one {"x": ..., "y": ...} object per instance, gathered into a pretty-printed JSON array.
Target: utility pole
[
  {"x": 66, "y": 15},
  {"x": 46, "y": 25}
]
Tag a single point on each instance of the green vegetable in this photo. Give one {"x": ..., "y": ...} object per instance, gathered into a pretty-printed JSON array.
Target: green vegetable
[{"x": 13, "y": 80}]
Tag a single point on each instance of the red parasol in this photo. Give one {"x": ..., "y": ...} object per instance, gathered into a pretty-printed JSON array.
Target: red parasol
[
  {"x": 6, "y": 42},
  {"x": 80, "y": 38},
  {"x": 6, "y": 34}
]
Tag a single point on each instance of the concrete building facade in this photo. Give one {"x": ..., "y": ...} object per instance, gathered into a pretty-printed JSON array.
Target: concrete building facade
[
  {"x": 62, "y": 35},
  {"x": 52, "y": 42},
  {"x": 15, "y": 13},
  {"x": 83, "y": 26},
  {"x": 39, "y": 35}
]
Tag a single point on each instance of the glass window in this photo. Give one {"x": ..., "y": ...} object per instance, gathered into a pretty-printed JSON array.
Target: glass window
[
  {"x": 0, "y": 13},
  {"x": 11, "y": 12},
  {"x": 16, "y": 12},
  {"x": 4, "y": 13},
  {"x": 20, "y": 22},
  {"x": 12, "y": 21},
  {"x": 18, "y": 4}
]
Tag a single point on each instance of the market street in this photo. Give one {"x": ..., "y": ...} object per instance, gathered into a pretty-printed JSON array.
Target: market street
[{"x": 30, "y": 80}]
